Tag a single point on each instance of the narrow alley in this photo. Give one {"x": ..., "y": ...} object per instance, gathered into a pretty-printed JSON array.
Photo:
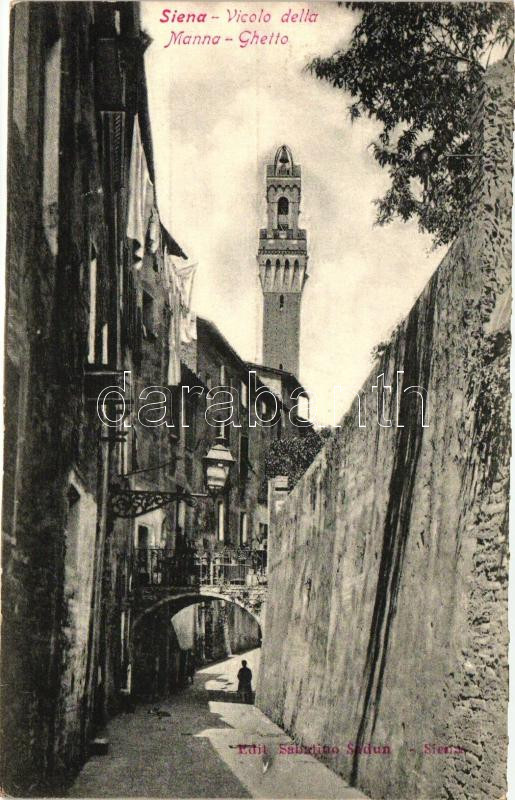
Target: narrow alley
[{"x": 188, "y": 747}]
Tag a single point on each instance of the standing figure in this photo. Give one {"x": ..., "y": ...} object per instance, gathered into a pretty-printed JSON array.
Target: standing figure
[
  {"x": 245, "y": 683},
  {"x": 191, "y": 666}
]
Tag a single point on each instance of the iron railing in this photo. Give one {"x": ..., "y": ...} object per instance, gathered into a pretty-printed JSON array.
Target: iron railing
[{"x": 156, "y": 566}]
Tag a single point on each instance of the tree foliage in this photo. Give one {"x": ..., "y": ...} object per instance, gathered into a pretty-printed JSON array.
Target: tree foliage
[
  {"x": 414, "y": 67},
  {"x": 292, "y": 455}
]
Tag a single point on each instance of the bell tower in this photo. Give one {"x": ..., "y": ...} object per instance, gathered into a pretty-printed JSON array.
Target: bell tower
[{"x": 282, "y": 262}]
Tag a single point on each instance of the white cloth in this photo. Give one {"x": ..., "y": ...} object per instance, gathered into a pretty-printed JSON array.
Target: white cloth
[
  {"x": 188, "y": 327},
  {"x": 186, "y": 276},
  {"x": 154, "y": 231},
  {"x": 183, "y": 321},
  {"x": 140, "y": 187},
  {"x": 188, "y": 317},
  {"x": 174, "y": 331},
  {"x": 184, "y": 627}
]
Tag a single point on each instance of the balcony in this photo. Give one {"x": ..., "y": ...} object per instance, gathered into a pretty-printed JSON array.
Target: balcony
[{"x": 160, "y": 567}]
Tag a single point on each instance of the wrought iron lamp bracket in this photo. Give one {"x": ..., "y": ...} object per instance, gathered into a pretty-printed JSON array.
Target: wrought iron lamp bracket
[{"x": 129, "y": 503}]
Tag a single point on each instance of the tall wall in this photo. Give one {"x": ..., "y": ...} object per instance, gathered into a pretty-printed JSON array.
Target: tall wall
[{"x": 387, "y": 609}]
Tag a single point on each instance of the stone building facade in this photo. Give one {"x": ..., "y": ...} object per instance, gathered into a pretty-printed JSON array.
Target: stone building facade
[{"x": 89, "y": 266}]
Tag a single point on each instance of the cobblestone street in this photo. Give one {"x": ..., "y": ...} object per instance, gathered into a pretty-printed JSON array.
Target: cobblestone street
[{"x": 193, "y": 752}]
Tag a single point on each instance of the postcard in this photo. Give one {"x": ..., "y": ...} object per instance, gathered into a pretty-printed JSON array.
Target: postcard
[{"x": 257, "y": 400}]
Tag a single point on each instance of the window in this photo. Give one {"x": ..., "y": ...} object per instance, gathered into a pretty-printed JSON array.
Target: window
[
  {"x": 283, "y": 205},
  {"x": 92, "y": 329},
  {"x": 142, "y": 537},
  {"x": 220, "y": 520},
  {"x": 143, "y": 554},
  {"x": 148, "y": 314},
  {"x": 283, "y": 208},
  {"x": 189, "y": 423},
  {"x": 244, "y": 394},
  {"x": 180, "y": 519},
  {"x": 134, "y": 450},
  {"x": 281, "y": 304},
  {"x": 263, "y": 534},
  {"x": 177, "y": 414},
  {"x": 123, "y": 452},
  {"x": 244, "y": 458},
  {"x": 243, "y": 528},
  {"x": 51, "y": 118},
  {"x": 223, "y": 377},
  {"x": 105, "y": 344},
  {"x": 222, "y": 431}
]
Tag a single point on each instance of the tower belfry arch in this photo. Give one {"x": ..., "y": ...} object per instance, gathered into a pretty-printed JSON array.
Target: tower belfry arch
[{"x": 282, "y": 263}]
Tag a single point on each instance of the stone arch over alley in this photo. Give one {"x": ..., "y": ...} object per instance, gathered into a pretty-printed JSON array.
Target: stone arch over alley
[
  {"x": 175, "y": 632},
  {"x": 253, "y": 601}
]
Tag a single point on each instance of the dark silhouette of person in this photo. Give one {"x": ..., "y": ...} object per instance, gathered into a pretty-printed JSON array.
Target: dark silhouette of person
[
  {"x": 191, "y": 666},
  {"x": 245, "y": 683}
]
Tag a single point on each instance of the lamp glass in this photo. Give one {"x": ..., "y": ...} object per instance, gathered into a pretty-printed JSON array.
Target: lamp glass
[{"x": 217, "y": 465}]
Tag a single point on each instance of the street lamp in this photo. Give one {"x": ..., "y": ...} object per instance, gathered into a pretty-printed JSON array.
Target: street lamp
[
  {"x": 217, "y": 465},
  {"x": 128, "y": 503}
]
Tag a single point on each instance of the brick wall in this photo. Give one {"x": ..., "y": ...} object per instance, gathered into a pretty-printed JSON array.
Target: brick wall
[{"x": 281, "y": 330}]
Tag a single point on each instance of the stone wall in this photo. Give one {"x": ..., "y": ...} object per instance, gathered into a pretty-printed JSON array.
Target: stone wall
[{"x": 387, "y": 609}]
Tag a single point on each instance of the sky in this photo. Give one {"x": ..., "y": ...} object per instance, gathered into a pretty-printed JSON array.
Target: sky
[{"x": 218, "y": 114}]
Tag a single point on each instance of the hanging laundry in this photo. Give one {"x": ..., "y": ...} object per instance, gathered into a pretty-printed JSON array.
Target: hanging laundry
[
  {"x": 186, "y": 276},
  {"x": 188, "y": 317},
  {"x": 141, "y": 195},
  {"x": 154, "y": 231},
  {"x": 188, "y": 327},
  {"x": 174, "y": 330}
]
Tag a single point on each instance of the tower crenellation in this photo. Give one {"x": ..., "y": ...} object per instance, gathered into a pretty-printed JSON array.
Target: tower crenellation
[{"x": 282, "y": 261}]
